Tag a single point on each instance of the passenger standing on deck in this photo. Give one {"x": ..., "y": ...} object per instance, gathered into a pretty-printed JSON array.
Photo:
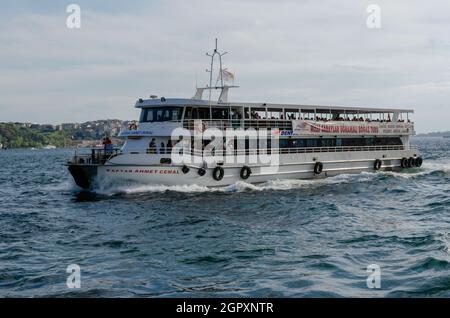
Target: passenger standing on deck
[
  {"x": 169, "y": 146},
  {"x": 109, "y": 146},
  {"x": 152, "y": 146}
]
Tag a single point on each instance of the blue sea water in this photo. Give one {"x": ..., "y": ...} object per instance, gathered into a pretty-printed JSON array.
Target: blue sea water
[{"x": 280, "y": 239}]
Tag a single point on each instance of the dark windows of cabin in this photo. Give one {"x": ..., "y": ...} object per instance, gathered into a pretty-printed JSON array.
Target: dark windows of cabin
[
  {"x": 265, "y": 145},
  {"x": 221, "y": 113},
  {"x": 161, "y": 114},
  {"x": 339, "y": 142},
  {"x": 216, "y": 112},
  {"x": 196, "y": 113}
]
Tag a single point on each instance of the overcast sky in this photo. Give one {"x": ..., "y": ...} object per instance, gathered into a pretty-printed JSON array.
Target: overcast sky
[{"x": 307, "y": 52}]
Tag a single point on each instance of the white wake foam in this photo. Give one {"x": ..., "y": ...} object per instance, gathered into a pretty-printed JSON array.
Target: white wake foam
[
  {"x": 106, "y": 188},
  {"x": 427, "y": 168}
]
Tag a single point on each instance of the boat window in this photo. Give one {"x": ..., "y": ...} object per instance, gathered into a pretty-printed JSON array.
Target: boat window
[
  {"x": 148, "y": 116},
  {"x": 292, "y": 114},
  {"x": 236, "y": 113},
  {"x": 220, "y": 113},
  {"x": 188, "y": 113},
  {"x": 386, "y": 141},
  {"x": 161, "y": 114},
  {"x": 247, "y": 113},
  {"x": 275, "y": 113},
  {"x": 339, "y": 142},
  {"x": 177, "y": 113},
  {"x": 311, "y": 143},
  {"x": 258, "y": 113}
]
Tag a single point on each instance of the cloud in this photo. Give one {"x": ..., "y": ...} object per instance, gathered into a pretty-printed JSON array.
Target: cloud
[{"x": 284, "y": 51}]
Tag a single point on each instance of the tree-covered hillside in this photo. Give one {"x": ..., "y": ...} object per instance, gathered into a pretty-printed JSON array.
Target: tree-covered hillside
[{"x": 18, "y": 136}]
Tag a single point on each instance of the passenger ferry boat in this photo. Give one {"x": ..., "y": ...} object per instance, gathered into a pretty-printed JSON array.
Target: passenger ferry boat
[{"x": 217, "y": 142}]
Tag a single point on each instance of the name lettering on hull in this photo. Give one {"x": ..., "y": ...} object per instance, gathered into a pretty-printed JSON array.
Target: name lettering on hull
[{"x": 144, "y": 171}]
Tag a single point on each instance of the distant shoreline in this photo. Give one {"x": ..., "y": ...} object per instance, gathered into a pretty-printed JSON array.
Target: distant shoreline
[{"x": 442, "y": 134}]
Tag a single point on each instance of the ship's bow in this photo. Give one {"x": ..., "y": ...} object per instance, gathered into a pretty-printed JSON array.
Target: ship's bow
[{"x": 83, "y": 174}]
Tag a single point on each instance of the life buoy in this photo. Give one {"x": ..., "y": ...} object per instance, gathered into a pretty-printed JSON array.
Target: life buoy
[
  {"x": 318, "y": 167},
  {"x": 245, "y": 172},
  {"x": 418, "y": 161},
  {"x": 411, "y": 162},
  {"x": 404, "y": 162},
  {"x": 185, "y": 169},
  {"x": 201, "y": 172},
  {"x": 218, "y": 173},
  {"x": 377, "y": 164}
]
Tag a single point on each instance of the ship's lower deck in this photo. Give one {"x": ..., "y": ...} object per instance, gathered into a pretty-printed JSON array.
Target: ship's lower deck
[{"x": 145, "y": 169}]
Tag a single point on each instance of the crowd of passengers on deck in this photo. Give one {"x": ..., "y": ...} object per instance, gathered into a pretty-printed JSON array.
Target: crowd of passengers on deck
[
  {"x": 236, "y": 116},
  {"x": 255, "y": 115}
]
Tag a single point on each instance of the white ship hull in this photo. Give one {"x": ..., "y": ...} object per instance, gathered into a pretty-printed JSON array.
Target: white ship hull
[{"x": 292, "y": 166}]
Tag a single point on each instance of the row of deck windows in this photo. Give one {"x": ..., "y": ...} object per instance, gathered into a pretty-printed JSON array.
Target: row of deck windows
[
  {"x": 161, "y": 114},
  {"x": 157, "y": 114},
  {"x": 339, "y": 142},
  {"x": 326, "y": 142}
]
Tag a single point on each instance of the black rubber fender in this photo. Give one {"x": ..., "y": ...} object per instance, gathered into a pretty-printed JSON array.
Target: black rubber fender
[
  {"x": 377, "y": 164},
  {"x": 201, "y": 172},
  {"x": 418, "y": 162},
  {"x": 185, "y": 169},
  {"x": 318, "y": 167},
  {"x": 245, "y": 172},
  {"x": 218, "y": 173},
  {"x": 404, "y": 162}
]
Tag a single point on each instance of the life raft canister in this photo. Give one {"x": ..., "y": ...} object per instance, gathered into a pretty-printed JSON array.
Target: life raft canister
[
  {"x": 377, "y": 164},
  {"x": 418, "y": 162},
  {"x": 218, "y": 173},
  {"x": 318, "y": 167},
  {"x": 185, "y": 169},
  {"x": 201, "y": 172},
  {"x": 245, "y": 172},
  {"x": 404, "y": 162}
]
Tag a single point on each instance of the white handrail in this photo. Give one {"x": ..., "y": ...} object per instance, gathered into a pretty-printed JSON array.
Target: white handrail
[{"x": 236, "y": 152}]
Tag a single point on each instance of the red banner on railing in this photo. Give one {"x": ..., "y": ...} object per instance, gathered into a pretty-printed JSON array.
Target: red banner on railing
[{"x": 304, "y": 127}]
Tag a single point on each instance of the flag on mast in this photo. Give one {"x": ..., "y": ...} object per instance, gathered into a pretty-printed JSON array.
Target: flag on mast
[{"x": 227, "y": 75}]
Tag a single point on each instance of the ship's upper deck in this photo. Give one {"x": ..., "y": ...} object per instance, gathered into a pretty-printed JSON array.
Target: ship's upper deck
[
  {"x": 185, "y": 102},
  {"x": 161, "y": 116}
]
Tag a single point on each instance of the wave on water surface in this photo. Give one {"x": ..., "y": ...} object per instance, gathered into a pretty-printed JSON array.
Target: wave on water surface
[{"x": 286, "y": 238}]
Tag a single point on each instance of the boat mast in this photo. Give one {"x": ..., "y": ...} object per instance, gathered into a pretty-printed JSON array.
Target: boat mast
[
  {"x": 212, "y": 56},
  {"x": 222, "y": 86}
]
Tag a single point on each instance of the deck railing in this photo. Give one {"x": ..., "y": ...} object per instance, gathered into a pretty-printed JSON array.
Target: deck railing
[
  {"x": 248, "y": 152},
  {"x": 100, "y": 156},
  {"x": 97, "y": 156},
  {"x": 283, "y": 124}
]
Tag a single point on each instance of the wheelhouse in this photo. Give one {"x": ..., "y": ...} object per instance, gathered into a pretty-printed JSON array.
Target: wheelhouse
[{"x": 156, "y": 114}]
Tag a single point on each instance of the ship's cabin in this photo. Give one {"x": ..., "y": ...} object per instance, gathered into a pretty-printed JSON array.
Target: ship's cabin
[
  {"x": 330, "y": 127},
  {"x": 247, "y": 115}
]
